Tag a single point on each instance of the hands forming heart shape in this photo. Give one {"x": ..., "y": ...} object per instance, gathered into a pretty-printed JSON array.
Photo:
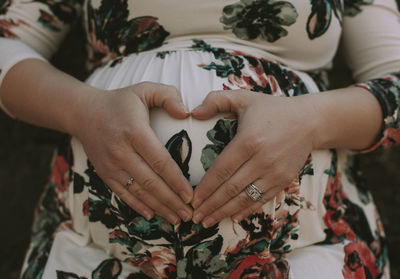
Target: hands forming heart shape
[{"x": 272, "y": 144}]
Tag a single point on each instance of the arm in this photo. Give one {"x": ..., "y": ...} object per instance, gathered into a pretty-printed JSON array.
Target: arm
[
  {"x": 344, "y": 118},
  {"x": 101, "y": 120},
  {"x": 372, "y": 51}
]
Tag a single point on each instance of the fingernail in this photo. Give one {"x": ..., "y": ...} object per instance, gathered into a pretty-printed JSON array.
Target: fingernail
[
  {"x": 186, "y": 197},
  {"x": 147, "y": 215},
  {"x": 208, "y": 222},
  {"x": 173, "y": 219},
  {"x": 185, "y": 215},
  {"x": 198, "y": 217}
]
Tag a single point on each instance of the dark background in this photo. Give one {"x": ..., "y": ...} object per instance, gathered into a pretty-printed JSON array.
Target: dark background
[{"x": 25, "y": 155}]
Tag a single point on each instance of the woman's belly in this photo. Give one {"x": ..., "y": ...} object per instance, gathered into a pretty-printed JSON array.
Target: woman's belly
[
  {"x": 195, "y": 144},
  {"x": 196, "y": 73}
]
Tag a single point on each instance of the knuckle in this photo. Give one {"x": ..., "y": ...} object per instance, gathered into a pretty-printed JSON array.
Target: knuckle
[
  {"x": 159, "y": 165},
  {"x": 234, "y": 189},
  {"x": 253, "y": 144},
  {"x": 148, "y": 184},
  {"x": 222, "y": 174},
  {"x": 116, "y": 153}
]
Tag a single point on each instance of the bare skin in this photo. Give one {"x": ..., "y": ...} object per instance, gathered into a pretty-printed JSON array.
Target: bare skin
[
  {"x": 274, "y": 138},
  {"x": 107, "y": 124}
]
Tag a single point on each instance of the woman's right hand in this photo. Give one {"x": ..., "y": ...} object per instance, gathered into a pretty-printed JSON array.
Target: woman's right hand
[{"x": 120, "y": 143}]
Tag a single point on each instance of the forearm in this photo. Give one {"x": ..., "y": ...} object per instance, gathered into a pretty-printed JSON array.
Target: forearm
[
  {"x": 37, "y": 93},
  {"x": 348, "y": 118}
]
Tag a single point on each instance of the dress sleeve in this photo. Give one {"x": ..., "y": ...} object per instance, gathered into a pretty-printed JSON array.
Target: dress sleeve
[
  {"x": 33, "y": 29},
  {"x": 371, "y": 42}
]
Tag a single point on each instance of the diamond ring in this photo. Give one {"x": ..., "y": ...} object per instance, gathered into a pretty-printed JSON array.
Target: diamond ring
[
  {"x": 253, "y": 192},
  {"x": 129, "y": 182}
]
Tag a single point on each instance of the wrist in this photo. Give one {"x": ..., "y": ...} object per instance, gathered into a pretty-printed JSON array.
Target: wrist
[
  {"x": 313, "y": 120},
  {"x": 82, "y": 109},
  {"x": 347, "y": 118}
]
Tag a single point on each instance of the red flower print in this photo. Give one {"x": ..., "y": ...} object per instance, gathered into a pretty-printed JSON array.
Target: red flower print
[
  {"x": 360, "y": 262},
  {"x": 334, "y": 197},
  {"x": 340, "y": 227},
  {"x": 7, "y": 24},
  {"x": 391, "y": 137},
  {"x": 59, "y": 174},
  {"x": 254, "y": 267}
]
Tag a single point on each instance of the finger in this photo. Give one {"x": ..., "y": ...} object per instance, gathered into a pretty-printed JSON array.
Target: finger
[
  {"x": 140, "y": 193},
  {"x": 220, "y": 101},
  {"x": 130, "y": 199},
  {"x": 237, "y": 204},
  {"x": 270, "y": 194},
  {"x": 152, "y": 183},
  {"x": 227, "y": 163},
  {"x": 245, "y": 175},
  {"x": 160, "y": 161},
  {"x": 166, "y": 97}
]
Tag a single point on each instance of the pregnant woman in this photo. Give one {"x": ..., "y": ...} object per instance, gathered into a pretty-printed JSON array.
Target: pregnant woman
[{"x": 205, "y": 142}]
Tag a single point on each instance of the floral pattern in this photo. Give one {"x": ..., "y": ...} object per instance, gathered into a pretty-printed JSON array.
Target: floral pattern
[
  {"x": 112, "y": 36},
  {"x": 49, "y": 21},
  {"x": 52, "y": 215},
  {"x": 188, "y": 250},
  {"x": 272, "y": 78},
  {"x": 321, "y": 14},
  {"x": 366, "y": 252},
  {"x": 261, "y": 242},
  {"x": 387, "y": 91},
  {"x": 107, "y": 269},
  {"x": 354, "y": 7},
  {"x": 252, "y": 19},
  {"x": 64, "y": 10},
  {"x": 4, "y": 4},
  {"x": 220, "y": 136}
]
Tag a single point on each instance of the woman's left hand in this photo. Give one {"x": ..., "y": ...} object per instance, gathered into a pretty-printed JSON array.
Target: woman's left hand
[{"x": 274, "y": 139}]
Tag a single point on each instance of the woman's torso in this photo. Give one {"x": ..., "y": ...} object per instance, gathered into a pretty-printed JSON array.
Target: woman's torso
[{"x": 264, "y": 46}]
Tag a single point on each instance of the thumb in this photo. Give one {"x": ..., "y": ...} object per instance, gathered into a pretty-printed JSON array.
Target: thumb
[{"x": 219, "y": 102}]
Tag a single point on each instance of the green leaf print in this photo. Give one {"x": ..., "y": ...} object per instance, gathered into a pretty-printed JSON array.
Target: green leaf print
[
  {"x": 252, "y": 19},
  {"x": 222, "y": 133},
  {"x": 353, "y": 7},
  {"x": 203, "y": 261},
  {"x": 4, "y": 6},
  {"x": 321, "y": 14},
  {"x": 180, "y": 148},
  {"x": 112, "y": 33},
  {"x": 107, "y": 269}
]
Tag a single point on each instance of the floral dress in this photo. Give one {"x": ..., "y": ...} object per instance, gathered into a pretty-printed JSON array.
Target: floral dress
[{"x": 323, "y": 224}]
